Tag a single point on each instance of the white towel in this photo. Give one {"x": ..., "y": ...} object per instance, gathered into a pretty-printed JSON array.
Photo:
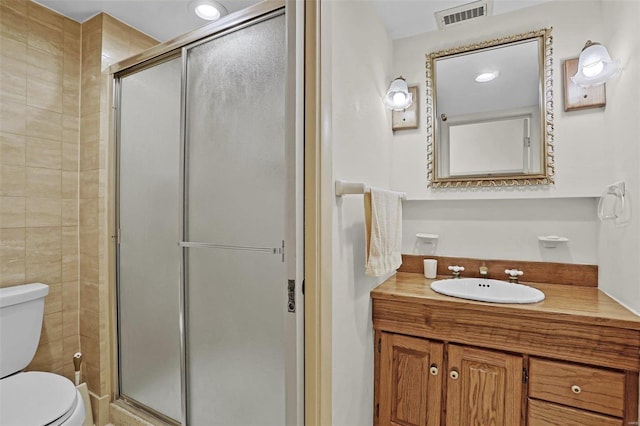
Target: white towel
[{"x": 383, "y": 222}]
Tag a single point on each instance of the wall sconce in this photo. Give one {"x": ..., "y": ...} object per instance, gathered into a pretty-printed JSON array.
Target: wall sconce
[
  {"x": 595, "y": 66},
  {"x": 398, "y": 97}
]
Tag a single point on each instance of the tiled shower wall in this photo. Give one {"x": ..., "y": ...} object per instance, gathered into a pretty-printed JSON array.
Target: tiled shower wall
[
  {"x": 55, "y": 98},
  {"x": 39, "y": 140}
]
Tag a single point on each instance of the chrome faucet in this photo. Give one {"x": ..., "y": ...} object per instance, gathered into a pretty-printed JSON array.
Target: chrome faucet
[
  {"x": 513, "y": 275},
  {"x": 484, "y": 272},
  {"x": 456, "y": 270}
]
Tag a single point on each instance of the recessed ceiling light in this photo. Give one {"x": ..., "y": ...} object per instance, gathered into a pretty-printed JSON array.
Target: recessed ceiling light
[
  {"x": 208, "y": 10},
  {"x": 487, "y": 76}
]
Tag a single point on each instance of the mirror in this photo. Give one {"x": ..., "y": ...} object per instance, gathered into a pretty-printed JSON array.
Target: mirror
[{"x": 490, "y": 113}]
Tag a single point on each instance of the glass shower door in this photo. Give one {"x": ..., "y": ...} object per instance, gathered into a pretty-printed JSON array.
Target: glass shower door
[
  {"x": 148, "y": 258},
  {"x": 235, "y": 278}
]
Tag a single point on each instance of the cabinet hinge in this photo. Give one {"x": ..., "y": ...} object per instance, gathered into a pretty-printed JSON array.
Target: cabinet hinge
[
  {"x": 525, "y": 376},
  {"x": 379, "y": 345},
  {"x": 377, "y": 410}
]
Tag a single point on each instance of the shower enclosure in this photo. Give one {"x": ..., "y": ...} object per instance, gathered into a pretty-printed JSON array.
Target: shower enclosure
[{"x": 208, "y": 274}]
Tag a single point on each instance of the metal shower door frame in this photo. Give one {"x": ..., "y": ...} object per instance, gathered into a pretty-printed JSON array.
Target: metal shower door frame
[{"x": 294, "y": 191}]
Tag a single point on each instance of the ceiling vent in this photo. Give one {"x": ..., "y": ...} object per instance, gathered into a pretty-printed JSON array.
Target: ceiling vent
[{"x": 466, "y": 12}]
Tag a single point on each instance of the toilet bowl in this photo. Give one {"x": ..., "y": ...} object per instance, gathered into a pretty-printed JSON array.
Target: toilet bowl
[
  {"x": 32, "y": 398},
  {"x": 39, "y": 398}
]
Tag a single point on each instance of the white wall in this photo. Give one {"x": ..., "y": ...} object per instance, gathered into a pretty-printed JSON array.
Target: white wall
[
  {"x": 503, "y": 229},
  {"x": 581, "y": 157},
  {"x": 491, "y": 223},
  {"x": 619, "y": 249},
  {"x": 360, "y": 139}
]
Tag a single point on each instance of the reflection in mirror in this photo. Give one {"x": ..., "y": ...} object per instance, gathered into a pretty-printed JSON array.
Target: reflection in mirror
[{"x": 490, "y": 113}]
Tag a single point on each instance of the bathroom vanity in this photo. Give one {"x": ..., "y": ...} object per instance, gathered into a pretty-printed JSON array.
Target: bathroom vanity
[{"x": 570, "y": 360}]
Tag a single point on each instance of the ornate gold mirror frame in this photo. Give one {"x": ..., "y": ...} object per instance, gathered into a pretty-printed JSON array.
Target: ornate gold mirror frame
[{"x": 547, "y": 166}]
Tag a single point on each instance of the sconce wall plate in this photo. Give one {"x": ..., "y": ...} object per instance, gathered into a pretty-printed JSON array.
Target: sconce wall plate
[
  {"x": 576, "y": 97},
  {"x": 407, "y": 118}
]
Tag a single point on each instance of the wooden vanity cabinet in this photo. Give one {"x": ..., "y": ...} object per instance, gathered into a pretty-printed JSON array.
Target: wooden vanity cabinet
[
  {"x": 446, "y": 362},
  {"x": 411, "y": 380},
  {"x": 483, "y": 387}
]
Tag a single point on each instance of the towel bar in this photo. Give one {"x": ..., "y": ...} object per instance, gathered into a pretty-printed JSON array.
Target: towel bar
[{"x": 346, "y": 188}]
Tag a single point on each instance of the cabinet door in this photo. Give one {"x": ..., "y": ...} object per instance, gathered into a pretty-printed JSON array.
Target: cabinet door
[
  {"x": 410, "y": 381},
  {"x": 483, "y": 387}
]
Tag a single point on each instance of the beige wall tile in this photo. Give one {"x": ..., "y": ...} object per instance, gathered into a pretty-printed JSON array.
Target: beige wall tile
[
  {"x": 13, "y": 117},
  {"x": 89, "y": 242},
  {"x": 44, "y": 65},
  {"x": 70, "y": 322},
  {"x": 45, "y": 124},
  {"x": 45, "y": 183},
  {"x": 89, "y": 153},
  {"x": 53, "y": 301},
  {"x": 12, "y": 212},
  {"x": 44, "y": 94},
  {"x": 12, "y": 149},
  {"x": 70, "y": 185},
  {"x": 43, "y": 270},
  {"x": 44, "y": 243},
  {"x": 43, "y": 37},
  {"x": 90, "y": 301},
  {"x": 13, "y": 56},
  {"x": 89, "y": 268},
  {"x": 89, "y": 183},
  {"x": 70, "y": 212},
  {"x": 44, "y": 153},
  {"x": 13, "y": 243},
  {"x": 51, "y": 327},
  {"x": 71, "y": 299},
  {"x": 70, "y": 240},
  {"x": 39, "y": 79},
  {"x": 93, "y": 377},
  {"x": 88, "y": 214},
  {"x": 12, "y": 271},
  {"x": 13, "y": 181},
  {"x": 70, "y": 128},
  {"x": 44, "y": 212},
  {"x": 13, "y": 23},
  {"x": 48, "y": 357},
  {"x": 13, "y": 85},
  {"x": 70, "y": 267},
  {"x": 70, "y": 156},
  {"x": 46, "y": 17},
  {"x": 90, "y": 126}
]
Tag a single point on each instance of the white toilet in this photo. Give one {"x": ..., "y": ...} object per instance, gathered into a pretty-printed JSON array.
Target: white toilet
[{"x": 31, "y": 398}]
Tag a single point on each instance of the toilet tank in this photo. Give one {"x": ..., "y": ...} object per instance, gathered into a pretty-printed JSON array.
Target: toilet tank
[{"x": 21, "y": 311}]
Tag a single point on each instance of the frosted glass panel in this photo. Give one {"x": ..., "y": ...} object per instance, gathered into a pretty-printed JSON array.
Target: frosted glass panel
[
  {"x": 237, "y": 306},
  {"x": 235, "y": 192},
  {"x": 235, "y": 103},
  {"x": 149, "y": 223}
]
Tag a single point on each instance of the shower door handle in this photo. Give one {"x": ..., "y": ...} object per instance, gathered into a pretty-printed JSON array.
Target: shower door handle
[{"x": 193, "y": 244}]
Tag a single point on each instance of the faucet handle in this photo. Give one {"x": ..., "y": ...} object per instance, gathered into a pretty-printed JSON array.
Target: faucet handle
[
  {"x": 456, "y": 270},
  {"x": 513, "y": 274}
]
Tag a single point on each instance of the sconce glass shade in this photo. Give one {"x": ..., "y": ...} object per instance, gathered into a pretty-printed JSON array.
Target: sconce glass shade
[
  {"x": 398, "y": 97},
  {"x": 595, "y": 66}
]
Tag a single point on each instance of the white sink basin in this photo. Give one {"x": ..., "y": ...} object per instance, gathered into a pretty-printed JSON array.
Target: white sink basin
[{"x": 488, "y": 290}]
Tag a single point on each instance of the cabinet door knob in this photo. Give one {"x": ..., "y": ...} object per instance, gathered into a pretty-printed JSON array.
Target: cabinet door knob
[
  {"x": 576, "y": 389},
  {"x": 454, "y": 374},
  {"x": 433, "y": 370}
]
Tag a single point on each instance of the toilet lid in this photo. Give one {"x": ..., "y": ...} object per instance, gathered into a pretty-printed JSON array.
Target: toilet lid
[{"x": 36, "y": 398}]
